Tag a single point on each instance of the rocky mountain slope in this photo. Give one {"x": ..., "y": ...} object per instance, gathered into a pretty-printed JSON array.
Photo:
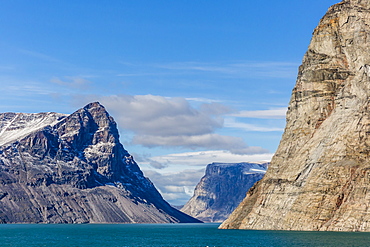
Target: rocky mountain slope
[
  {"x": 221, "y": 190},
  {"x": 319, "y": 178},
  {"x": 57, "y": 168}
]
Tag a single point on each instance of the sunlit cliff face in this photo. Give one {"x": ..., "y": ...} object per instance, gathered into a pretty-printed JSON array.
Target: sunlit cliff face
[{"x": 319, "y": 176}]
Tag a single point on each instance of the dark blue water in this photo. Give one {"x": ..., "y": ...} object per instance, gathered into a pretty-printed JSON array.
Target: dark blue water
[{"x": 167, "y": 235}]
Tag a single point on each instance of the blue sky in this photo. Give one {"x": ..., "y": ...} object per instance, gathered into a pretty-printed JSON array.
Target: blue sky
[{"x": 189, "y": 82}]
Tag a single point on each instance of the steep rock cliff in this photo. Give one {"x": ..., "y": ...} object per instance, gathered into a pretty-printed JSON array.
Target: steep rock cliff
[
  {"x": 57, "y": 168},
  {"x": 222, "y": 188},
  {"x": 319, "y": 178}
]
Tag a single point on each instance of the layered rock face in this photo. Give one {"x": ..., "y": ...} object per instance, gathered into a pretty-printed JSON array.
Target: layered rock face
[
  {"x": 221, "y": 190},
  {"x": 57, "y": 168},
  {"x": 319, "y": 178}
]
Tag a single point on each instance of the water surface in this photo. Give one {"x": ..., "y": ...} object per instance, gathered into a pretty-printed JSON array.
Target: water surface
[{"x": 167, "y": 235}]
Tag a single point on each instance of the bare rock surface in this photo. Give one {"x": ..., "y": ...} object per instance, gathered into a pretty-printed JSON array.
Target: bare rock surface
[
  {"x": 319, "y": 178},
  {"x": 222, "y": 188},
  {"x": 57, "y": 168}
]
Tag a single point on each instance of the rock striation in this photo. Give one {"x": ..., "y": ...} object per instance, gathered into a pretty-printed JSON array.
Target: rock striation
[
  {"x": 319, "y": 178},
  {"x": 57, "y": 168},
  {"x": 222, "y": 188}
]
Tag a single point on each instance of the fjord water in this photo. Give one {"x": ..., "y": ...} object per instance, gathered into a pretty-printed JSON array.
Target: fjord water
[{"x": 166, "y": 235}]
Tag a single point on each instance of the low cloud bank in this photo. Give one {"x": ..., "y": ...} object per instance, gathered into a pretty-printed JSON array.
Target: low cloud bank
[{"x": 158, "y": 121}]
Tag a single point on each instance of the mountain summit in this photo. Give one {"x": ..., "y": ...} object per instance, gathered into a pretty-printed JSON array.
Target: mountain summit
[
  {"x": 57, "y": 168},
  {"x": 319, "y": 178}
]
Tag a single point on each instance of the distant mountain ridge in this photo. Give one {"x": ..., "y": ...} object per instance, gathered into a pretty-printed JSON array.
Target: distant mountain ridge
[
  {"x": 222, "y": 188},
  {"x": 57, "y": 168}
]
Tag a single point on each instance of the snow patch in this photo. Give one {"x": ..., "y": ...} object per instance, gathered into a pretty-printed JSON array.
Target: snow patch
[{"x": 23, "y": 124}]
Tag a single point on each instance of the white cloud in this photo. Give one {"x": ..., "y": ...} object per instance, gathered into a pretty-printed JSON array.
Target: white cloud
[
  {"x": 278, "y": 113},
  {"x": 203, "y": 100},
  {"x": 232, "y": 123},
  {"x": 157, "y": 165},
  {"x": 161, "y": 116},
  {"x": 72, "y": 81},
  {"x": 247, "y": 69},
  {"x": 239, "y": 69},
  {"x": 212, "y": 141},
  {"x": 173, "y": 122},
  {"x": 16, "y": 88},
  {"x": 176, "y": 187},
  {"x": 158, "y": 121},
  {"x": 201, "y": 158}
]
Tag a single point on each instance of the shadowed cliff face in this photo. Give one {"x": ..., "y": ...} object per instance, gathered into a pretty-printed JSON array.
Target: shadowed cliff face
[
  {"x": 319, "y": 176},
  {"x": 221, "y": 190},
  {"x": 58, "y": 168}
]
